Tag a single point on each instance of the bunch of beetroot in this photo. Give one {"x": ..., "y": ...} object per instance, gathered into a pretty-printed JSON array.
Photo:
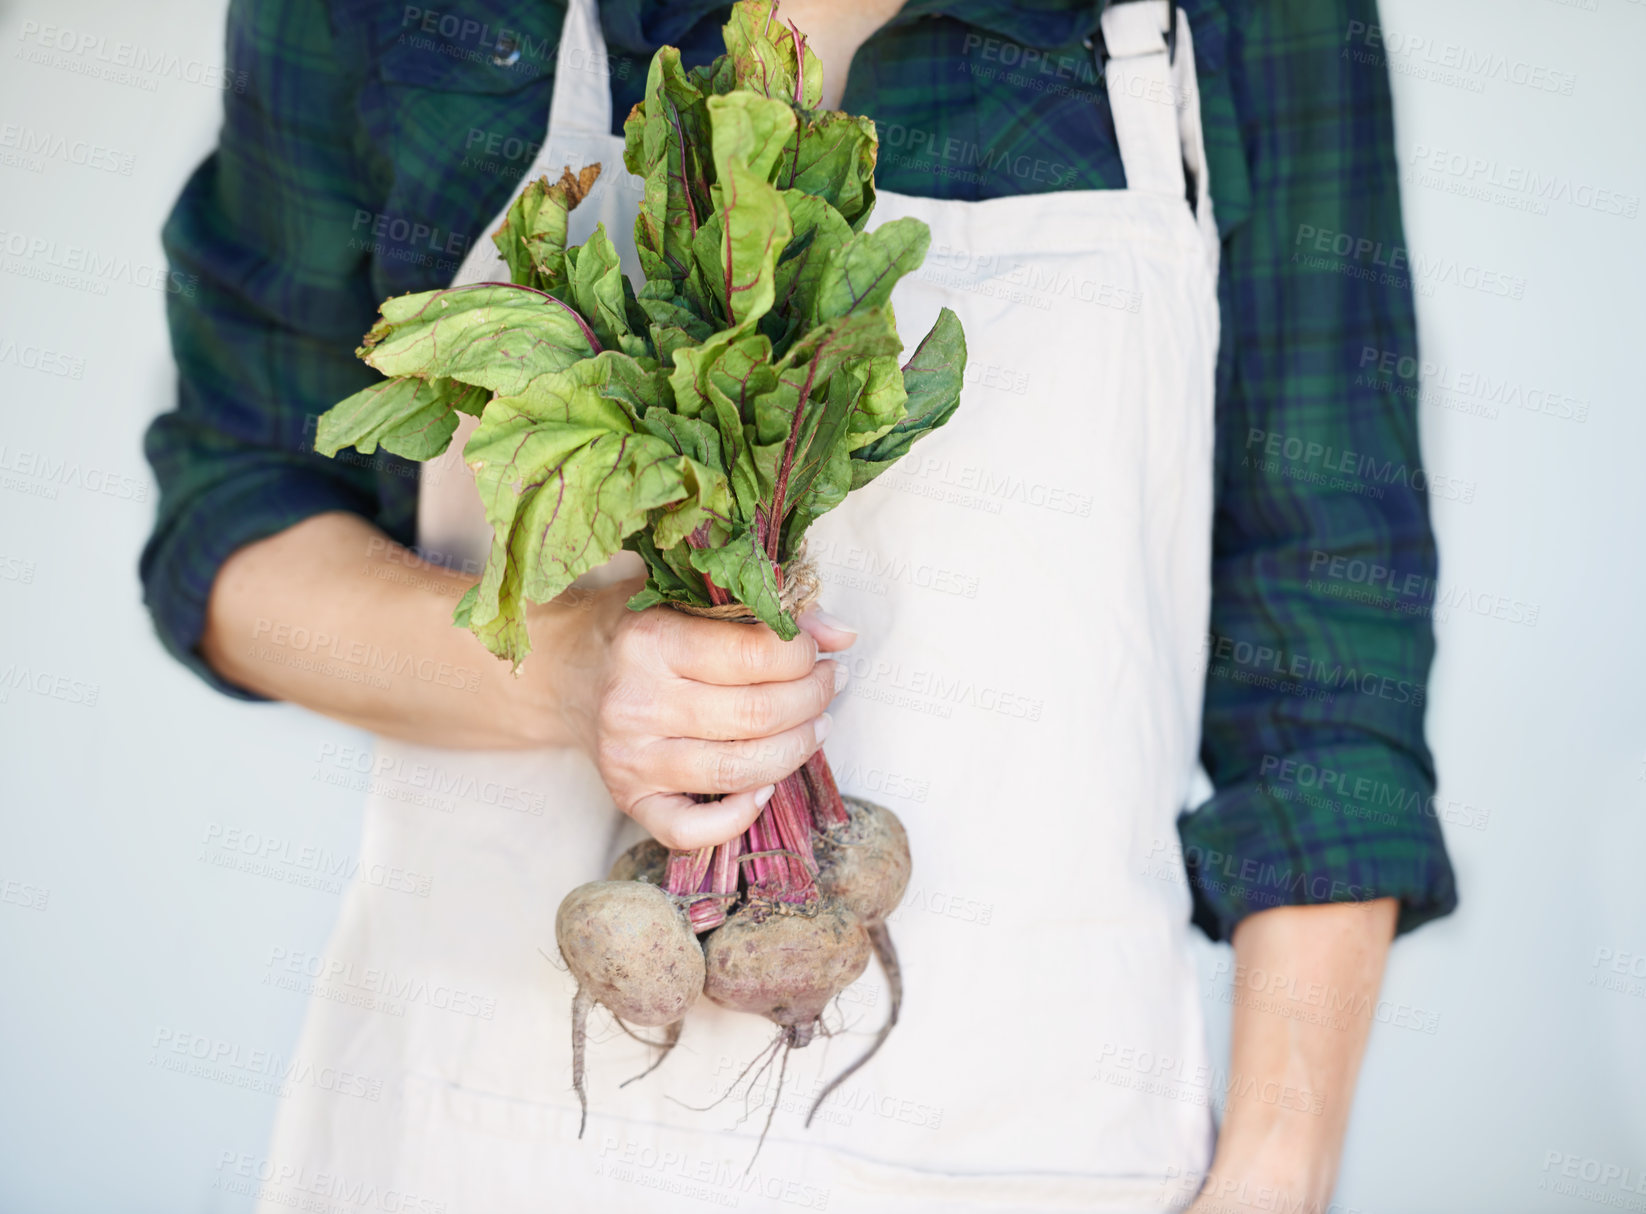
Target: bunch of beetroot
[
  {"x": 703, "y": 422},
  {"x": 777, "y": 922}
]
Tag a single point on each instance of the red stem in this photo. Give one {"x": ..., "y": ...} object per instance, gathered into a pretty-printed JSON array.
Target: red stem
[
  {"x": 762, "y": 869},
  {"x": 799, "y": 61},
  {"x": 700, "y": 539},
  {"x": 794, "y": 821},
  {"x": 775, "y": 538},
  {"x": 684, "y": 874},
  {"x": 777, "y": 850},
  {"x": 827, "y": 807},
  {"x": 784, "y": 825},
  {"x": 726, "y": 869},
  {"x": 685, "y": 177}
]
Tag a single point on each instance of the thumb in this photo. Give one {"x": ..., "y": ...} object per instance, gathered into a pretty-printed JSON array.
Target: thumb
[
  {"x": 831, "y": 633},
  {"x": 682, "y": 824}
]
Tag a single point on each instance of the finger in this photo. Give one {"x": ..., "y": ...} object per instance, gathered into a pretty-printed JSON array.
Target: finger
[
  {"x": 676, "y": 821},
  {"x": 759, "y": 710},
  {"x": 728, "y": 767},
  {"x": 831, "y": 633},
  {"x": 719, "y": 651}
]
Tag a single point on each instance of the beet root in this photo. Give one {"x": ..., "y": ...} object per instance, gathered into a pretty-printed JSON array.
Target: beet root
[
  {"x": 785, "y": 962},
  {"x": 629, "y": 947},
  {"x": 645, "y": 861},
  {"x": 865, "y": 863},
  {"x": 886, "y": 954}
]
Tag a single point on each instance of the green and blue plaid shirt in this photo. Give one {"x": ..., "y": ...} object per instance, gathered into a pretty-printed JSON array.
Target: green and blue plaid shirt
[{"x": 373, "y": 141}]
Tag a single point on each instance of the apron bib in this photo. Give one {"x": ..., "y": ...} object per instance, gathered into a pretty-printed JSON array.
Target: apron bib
[{"x": 1031, "y": 586}]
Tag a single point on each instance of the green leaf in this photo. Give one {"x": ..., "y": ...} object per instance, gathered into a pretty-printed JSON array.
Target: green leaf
[
  {"x": 817, "y": 410},
  {"x": 818, "y": 229},
  {"x": 861, "y": 273},
  {"x": 664, "y": 583},
  {"x": 750, "y": 130},
  {"x": 662, "y": 137},
  {"x": 704, "y": 382},
  {"x": 822, "y": 442},
  {"x": 832, "y": 155},
  {"x": 766, "y": 54},
  {"x": 753, "y": 227},
  {"x": 592, "y": 497},
  {"x": 464, "y": 611},
  {"x": 496, "y": 337},
  {"x": 752, "y": 36},
  {"x": 707, "y": 500},
  {"x": 820, "y": 470},
  {"x": 561, "y": 495},
  {"x": 868, "y": 333},
  {"x": 708, "y": 493},
  {"x": 691, "y": 436},
  {"x": 761, "y": 347},
  {"x": 932, "y": 378},
  {"x": 532, "y": 238},
  {"x": 678, "y": 561},
  {"x": 497, "y": 612},
  {"x": 674, "y": 322},
  {"x": 612, "y": 390},
  {"x": 664, "y": 308},
  {"x": 882, "y": 403},
  {"x": 743, "y": 568},
  {"x": 597, "y": 288},
  {"x": 413, "y": 418}
]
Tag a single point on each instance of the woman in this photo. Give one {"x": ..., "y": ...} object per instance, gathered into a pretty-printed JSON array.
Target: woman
[{"x": 1029, "y": 675}]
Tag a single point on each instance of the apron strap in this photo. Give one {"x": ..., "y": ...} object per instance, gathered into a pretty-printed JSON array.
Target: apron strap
[
  {"x": 1155, "y": 103},
  {"x": 582, "y": 103}
]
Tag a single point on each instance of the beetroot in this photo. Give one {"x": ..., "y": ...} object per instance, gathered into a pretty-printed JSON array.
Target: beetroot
[
  {"x": 865, "y": 861},
  {"x": 788, "y": 913},
  {"x": 785, "y": 962},
  {"x": 645, "y": 861},
  {"x": 630, "y": 949}
]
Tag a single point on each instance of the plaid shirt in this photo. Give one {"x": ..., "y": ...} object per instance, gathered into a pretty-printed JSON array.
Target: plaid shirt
[{"x": 374, "y": 141}]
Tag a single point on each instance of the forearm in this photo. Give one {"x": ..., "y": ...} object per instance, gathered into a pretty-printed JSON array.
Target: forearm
[
  {"x": 1305, "y": 985},
  {"x": 332, "y": 615}
]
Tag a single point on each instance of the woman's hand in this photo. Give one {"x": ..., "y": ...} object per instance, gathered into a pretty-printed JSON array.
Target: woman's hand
[
  {"x": 668, "y": 704},
  {"x": 1292, "y": 1069},
  {"x": 333, "y": 615}
]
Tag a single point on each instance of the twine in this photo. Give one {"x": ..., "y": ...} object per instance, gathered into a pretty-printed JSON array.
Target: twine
[{"x": 801, "y": 588}]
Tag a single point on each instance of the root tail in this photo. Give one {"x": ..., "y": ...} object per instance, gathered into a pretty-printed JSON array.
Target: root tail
[
  {"x": 777, "y": 1098},
  {"x": 671, "y": 1038},
  {"x": 886, "y": 953},
  {"x": 581, "y": 1003}
]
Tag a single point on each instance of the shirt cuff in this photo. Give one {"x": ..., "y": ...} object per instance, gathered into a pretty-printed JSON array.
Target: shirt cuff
[
  {"x": 1334, "y": 824},
  {"x": 181, "y": 560}
]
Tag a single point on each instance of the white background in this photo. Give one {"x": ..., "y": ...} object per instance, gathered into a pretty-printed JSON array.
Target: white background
[{"x": 1502, "y": 1047}]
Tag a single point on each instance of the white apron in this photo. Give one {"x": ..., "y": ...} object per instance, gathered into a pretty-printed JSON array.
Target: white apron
[{"x": 1031, "y": 587}]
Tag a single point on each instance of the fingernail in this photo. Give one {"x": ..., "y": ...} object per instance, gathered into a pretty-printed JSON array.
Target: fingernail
[
  {"x": 841, "y": 674},
  {"x": 763, "y": 795},
  {"x": 818, "y": 615},
  {"x": 821, "y": 727}
]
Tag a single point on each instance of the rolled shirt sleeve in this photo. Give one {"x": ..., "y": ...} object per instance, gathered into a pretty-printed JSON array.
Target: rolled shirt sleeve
[
  {"x": 265, "y": 232},
  {"x": 1324, "y": 561}
]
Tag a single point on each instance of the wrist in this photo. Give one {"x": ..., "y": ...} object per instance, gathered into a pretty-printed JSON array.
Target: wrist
[
  {"x": 1240, "y": 1187},
  {"x": 1287, "y": 1161},
  {"x": 551, "y": 701}
]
